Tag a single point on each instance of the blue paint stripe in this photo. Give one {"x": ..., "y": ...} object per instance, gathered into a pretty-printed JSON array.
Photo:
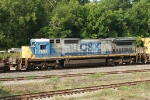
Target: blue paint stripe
[
  {"x": 47, "y": 55},
  {"x": 82, "y": 53}
]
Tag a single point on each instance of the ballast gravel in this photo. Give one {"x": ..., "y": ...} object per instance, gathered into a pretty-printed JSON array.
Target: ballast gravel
[{"x": 74, "y": 71}]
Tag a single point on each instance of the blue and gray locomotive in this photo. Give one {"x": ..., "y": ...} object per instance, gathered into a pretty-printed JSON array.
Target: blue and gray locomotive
[{"x": 64, "y": 52}]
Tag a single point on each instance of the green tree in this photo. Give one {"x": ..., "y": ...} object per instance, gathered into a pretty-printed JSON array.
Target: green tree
[
  {"x": 101, "y": 20},
  {"x": 137, "y": 19},
  {"x": 67, "y": 20},
  {"x": 22, "y": 20}
]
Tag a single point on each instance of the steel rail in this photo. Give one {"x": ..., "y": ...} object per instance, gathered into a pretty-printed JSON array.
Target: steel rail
[
  {"x": 70, "y": 91},
  {"x": 70, "y": 75}
]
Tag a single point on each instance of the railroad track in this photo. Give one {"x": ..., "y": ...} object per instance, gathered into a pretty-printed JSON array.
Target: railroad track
[
  {"x": 70, "y": 75},
  {"x": 67, "y": 68},
  {"x": 71, "y": 91}
]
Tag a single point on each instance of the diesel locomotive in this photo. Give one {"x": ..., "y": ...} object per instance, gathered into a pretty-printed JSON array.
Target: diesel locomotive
[{"x": 71, "y": 52}]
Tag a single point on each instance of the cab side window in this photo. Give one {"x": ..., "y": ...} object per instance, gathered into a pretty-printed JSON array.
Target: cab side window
[
  {"x": 42, "y": 47},
  {"x": 33, "y": 43}
]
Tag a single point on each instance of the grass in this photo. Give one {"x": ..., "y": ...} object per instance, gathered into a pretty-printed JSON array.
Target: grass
[
  {"x": 56, "y": 83},
  {"x": 8, "y": 77},
  {"x": 137, "y": 92},
  {"x": 54, "y": 79},
  {"x": 130, "y": 93},
  {"x": 134, "y": 72},
  {"x": 4, "y": 91},
  {"x": 30, "y": 77},
  {"x": 97, "y": 75},
  {"x": 1, "y": 84}
]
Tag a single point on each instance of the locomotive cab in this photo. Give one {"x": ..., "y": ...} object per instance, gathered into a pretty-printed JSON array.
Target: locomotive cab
[{"x": 40, "y": 47}]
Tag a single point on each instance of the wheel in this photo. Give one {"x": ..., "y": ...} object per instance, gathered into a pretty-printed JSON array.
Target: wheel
[
  {"x": 120, "y": 62},
  {"x": 109, "y": 62},
  {"x": 6, "y": 68},
  {"x": 29, "y": 68},
  {"x": 44, "y": 66},
  {"x": 56, "y": 66},
  {"x": 132, "y": 60}
]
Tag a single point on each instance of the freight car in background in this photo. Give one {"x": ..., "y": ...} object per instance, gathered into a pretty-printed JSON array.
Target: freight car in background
[
  {"x": 72, "y": 52},
  {"x": 3, "y": 61},
  {"x": 8, "y": 58}
]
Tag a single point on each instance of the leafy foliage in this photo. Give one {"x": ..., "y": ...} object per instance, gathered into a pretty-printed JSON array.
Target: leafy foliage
[
  {"x": 66, "y": 21},
  {"x": 22, "y": 20}
]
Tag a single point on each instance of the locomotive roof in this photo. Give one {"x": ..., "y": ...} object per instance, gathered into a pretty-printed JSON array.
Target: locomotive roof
[
  {"x": 39, "y": 40},
  {"x": 124, "y": 39},
  {"x": 112, "y": 39},
  {"x": 65, "y": 38}
]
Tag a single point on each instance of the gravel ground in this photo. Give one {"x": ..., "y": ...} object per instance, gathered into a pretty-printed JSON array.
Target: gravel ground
[
  {"x": 70, "y": 71},
  {"x": 74, "y": 71}
]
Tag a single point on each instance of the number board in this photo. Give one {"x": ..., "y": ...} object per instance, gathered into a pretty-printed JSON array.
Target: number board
[{"x": 42, "y": 51}]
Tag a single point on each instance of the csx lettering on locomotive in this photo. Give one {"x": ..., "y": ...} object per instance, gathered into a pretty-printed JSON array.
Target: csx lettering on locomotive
[{"x": 90, "y": 46}]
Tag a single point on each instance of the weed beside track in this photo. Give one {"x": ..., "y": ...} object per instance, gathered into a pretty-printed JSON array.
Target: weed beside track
[
  {"x": 57, "y": 83},
  {"x": 74, "y": 91}
]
